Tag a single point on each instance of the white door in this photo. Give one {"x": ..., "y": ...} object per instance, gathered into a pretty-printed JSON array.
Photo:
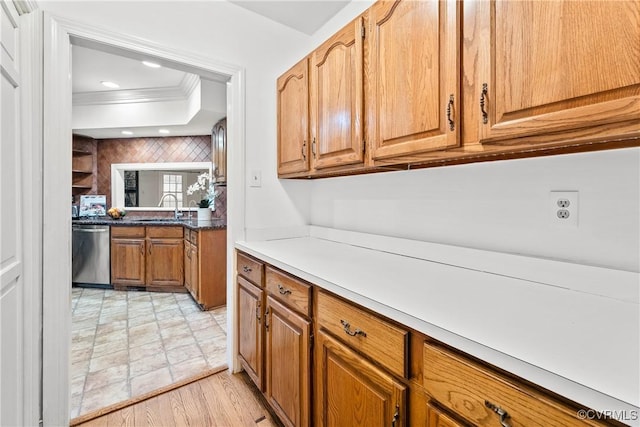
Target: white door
[{"x": 11, "y": 284}]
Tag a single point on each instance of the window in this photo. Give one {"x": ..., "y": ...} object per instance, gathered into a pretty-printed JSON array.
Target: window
[{"x": 172, "y": 184}]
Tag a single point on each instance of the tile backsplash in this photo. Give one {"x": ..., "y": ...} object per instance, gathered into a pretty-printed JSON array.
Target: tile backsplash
[{"x": 148, "y": 150}]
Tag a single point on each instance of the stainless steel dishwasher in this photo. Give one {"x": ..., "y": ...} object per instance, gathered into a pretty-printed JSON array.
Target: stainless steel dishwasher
[{"x": 91, "y": 257}]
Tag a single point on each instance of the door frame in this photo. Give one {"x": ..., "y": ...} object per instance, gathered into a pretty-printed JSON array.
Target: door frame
[{"x": 56, "y": 236}]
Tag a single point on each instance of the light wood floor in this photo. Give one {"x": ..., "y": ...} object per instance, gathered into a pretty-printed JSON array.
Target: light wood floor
[{"x": 223, "y": 399}]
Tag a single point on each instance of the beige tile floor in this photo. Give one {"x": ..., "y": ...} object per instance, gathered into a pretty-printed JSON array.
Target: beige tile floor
[{"x": 125, "y": 344}]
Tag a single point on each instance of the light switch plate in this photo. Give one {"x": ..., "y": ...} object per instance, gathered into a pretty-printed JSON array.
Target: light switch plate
[{"x": 255, "y": 179}]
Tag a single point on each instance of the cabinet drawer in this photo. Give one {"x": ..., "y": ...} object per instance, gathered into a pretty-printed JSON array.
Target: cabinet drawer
[
  {"x": 191, "y": 236},
  {"x": 475, "y": 393},
  {"x": 127, "y": 231},
  {"x": 291, "y": 291},
  {"x": 250, "y": 268},
  {"x": 382, "y": 341},
  {"x": 169, "y": 231}
]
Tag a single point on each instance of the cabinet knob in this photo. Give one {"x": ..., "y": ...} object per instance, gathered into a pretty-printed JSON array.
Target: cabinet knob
[
  {"x": 501, "y": 413},
  {"x": 347, "y": 329},
  {"x": 283, "y": 290},
  {"x": 483, "y": 96}
]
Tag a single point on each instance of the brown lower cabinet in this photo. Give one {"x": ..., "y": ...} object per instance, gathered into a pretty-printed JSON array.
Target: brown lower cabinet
[
  {"x": 191, "y": 268},
  {"x": 250, "y": 330},
  {"x": 351, "y": 391},
  {"x": 301, "y": 344},
  {"x": 288, "y": 363},
  {"x": 164, "y": 261},
  {"x": 128, "y": 248},
  {"x": 147, "y": 256},
  {"x": 205, "y": 266}
]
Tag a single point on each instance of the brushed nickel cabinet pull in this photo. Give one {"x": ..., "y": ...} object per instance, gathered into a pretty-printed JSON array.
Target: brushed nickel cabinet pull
[
  {"x": 246, "y": 269},
  {"x": 313, "y": 147},
  {"x": 347, "y": 329},
  {"x": 150, "y": 246},
  {"x": 283, "y": 290},
  {"x": 266, "y": 319},
  {"x": 485, "y": 115},
  {"x": 501, "y": 413},
  {"x": 258, "y": 311},
  {"x": 304, "y": 148},
  {"x": 449, "y": 107},
  {"x": 396, "y": 415}
]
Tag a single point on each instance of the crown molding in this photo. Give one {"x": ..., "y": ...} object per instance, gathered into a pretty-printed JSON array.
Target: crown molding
[{"x": 183, "y": 91}]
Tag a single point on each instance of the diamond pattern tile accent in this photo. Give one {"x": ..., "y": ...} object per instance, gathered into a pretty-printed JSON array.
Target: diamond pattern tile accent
[{"x": 148, "y": 150}]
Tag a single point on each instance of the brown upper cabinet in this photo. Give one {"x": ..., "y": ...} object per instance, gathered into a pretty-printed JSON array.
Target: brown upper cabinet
[
  {"x": 293, "y": 119},
  {"x": 412, "y": 100},
  {"x": 427, "y": 83},
  {"x": 219, "y": 151},
  {"x": 551, "y": 67},
  {"x": 337, "y": 99}
]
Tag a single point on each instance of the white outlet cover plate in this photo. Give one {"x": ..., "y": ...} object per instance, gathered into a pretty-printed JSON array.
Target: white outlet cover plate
[{"x": 572, "y": 197}]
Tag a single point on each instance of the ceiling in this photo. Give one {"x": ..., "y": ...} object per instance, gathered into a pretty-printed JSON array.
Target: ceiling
[
  {"x": 306, "y": 16},
  {"x": 174, "y": 97}
]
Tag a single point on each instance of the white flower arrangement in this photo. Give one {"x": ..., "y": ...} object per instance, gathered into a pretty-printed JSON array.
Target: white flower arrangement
[{"x": 205, "y": 185}]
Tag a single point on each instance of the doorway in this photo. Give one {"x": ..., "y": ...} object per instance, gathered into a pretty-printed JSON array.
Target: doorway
[{"x": 59, "y": 36}]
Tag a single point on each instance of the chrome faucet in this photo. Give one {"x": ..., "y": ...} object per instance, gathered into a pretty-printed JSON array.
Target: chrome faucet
[
  {"x": 195, "y": 203},
  {"x": 177, "y": 214}
]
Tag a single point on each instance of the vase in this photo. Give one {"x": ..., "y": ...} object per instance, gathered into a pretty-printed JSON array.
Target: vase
[{"x": 204, "y": 214}]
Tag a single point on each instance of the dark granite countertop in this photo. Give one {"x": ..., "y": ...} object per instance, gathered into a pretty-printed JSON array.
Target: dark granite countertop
[{"x": 193, "y": 224}]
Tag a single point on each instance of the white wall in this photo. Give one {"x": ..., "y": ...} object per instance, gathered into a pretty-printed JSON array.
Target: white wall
[
  {"x": 498, "y": 205},
  {"x": 230, "y": 34},
  {"x": 502, "y": 206}
]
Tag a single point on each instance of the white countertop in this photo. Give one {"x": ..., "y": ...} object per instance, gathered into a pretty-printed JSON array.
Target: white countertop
[{"x": 572, "y": 329}]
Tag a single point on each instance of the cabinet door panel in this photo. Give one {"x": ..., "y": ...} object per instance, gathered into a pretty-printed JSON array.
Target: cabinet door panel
[
  {"x": 411, "y": 78},
  {"x": 187, "y": 267},
  {"x": 250, "y": 312},
  {"x": 353, "y": 392},
  {"x": 337, "y": 99},
  {"x": 293, "y": 119},
  {"x": 219, "y": 151},
  {"x": 165, "y": 262},
  {"x": 437, "y": 418},
  {"x": 195, "y": 273},
  {"x": 128, "y": 262},
  {"x": 559, "y": 65},
  {"x": 288, "y": 363}
]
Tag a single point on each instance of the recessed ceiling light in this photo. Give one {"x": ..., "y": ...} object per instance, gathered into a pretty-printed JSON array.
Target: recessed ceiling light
[
  {"x": 151, "y": 64},
  {"x": 110, "y": 85},
  {"x": 164, "y": 131},
  {"x": 127, "y": 132}
]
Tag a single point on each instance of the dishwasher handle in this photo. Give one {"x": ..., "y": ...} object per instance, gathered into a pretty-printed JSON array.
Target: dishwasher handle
[{"x": 91, "y": 230}]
